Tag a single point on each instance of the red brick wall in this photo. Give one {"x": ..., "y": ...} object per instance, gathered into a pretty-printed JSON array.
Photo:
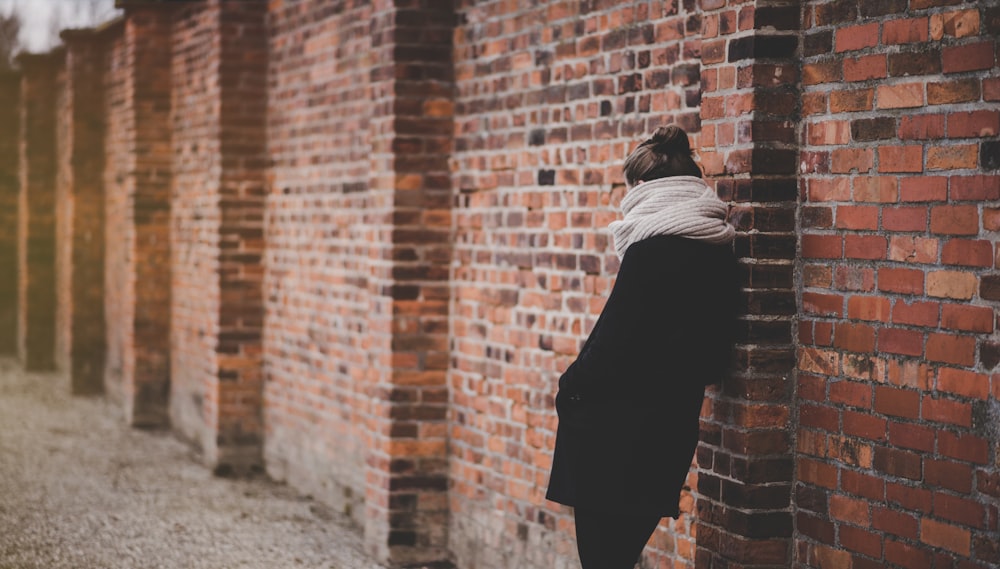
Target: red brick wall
[
  {"x": 63, "y": 217},
  {"x": 195, "y": 221},
  {"x": 80, "y": 214},
  {"x": 242, "y": 191},
  {"x": 549, "y": 101},
  {"x": 402, "y": 234},
  {"x": 36, "y": 212},
  {"x": 316, "y": 289},
  {"x": 147, "y": 32},
  {"x": 10, "y": 105},
  {"x": 748, "y": 149},
  {"x": 119, "y": 233},
  {"x": 897, "y": 409},
  {"x": 218, "y": 106}
]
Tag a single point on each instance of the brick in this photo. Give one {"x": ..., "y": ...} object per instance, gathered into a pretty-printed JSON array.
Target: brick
[
  {"x": 923, "y": 188},
  {"x": 975, "y": 188},
  {"x": 946, "y": 411},
  {"x": 907, "y": 555},
  {"x": 952, "y": 157},
  {"x": 864, "y": 247},
  {"x": 955, "y": 220},
  {"x": 864, "y": 67},
  {"x": 946, "y": 348},
  {"x": 991, "y": 219},
  {"x": 821, "y": 246},
  {"x": 837, "y": 189},
  {"x": 861, "y": 541},
  {"x": 908, "y": 30},
  {"x": 864, "y": 425},
  {"x": 967, "y": 252},
  {"x": 959, "y": 510},
  {"x": 894, "y": 523},
  {"x": 958, "y": 23},
  {"x": 864, "y": 130},
  {"x": 897, "y": 402},
  {"x": 913, "y": 249},
  {"x": 951, "y": 284},
  {"x": 903, "y": 342},
  {"x": 912, "y": 436},
  {"x": 827, "y": 304},
  {"x": 908, "y": 497},
  {"x": 854, "y": 337},
  {"x": 852, "y": 393},
  {"x": 904, "y": 281},
  {"x": 828, "y": 132},
  {"x": 818, "y": 417},
  {"x": 967, "y": 318},
  {"x": 969, "y": 57},
  {"x": 921, "y": 127},
  {"x": 991, "y": 89},
  {"x": 864, "y": 485},
  {"x": 973, "y": 124},
  {"x": 902, "y": 96},
  {"x": 900, "y": 158},
  {"x": 879, "y": 189},
  {"x": 946, "y": 536},
  {"x": 916, "y": 314},
  {"x": 900, "y": 463},
  {"x": 856, "y": 37},
  {"x": 916, "y": 63},
  {"x": 907, "y": 218},
  {"x": 817, "y": 473},
  {"x": 850, "y": 510},
  {"x": 852, "y": 100},
  {"x": 825, "y": 72},
  {"x": 846, "y": 160},
  {"x": 948, "y": 92},
  {"x": 871, "y": 308},
  {"x": 989, "y": 287},
  {"x": 963, "y": 383},
  {"x": 854, "y": 278},
  {"x": 964, "y": 447}
]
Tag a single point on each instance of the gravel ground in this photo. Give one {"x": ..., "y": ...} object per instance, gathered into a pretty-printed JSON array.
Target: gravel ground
[{"x": 80, "y": 490}]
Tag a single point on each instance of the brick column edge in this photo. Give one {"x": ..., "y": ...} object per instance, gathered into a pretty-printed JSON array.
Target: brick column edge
[
  {"x": 36, "y": 212},
  {"x": 749, "y": 149},
  {"x": 413, "y": 82}
]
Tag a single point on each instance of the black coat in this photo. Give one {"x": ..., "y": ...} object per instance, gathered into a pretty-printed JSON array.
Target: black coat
[{"x": 629, "y": 404}]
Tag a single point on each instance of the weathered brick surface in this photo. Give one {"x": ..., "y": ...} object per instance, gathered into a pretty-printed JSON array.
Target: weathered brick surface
[
  {"x": 373, "y": 261},
  {"x": 884, "y": 400},
  {"x": 137, "y": 213},
  {"x": 80, "y": 347},
  {"x": 119, "y": 233},
  {"x": 549, "y": 101},
  {"x": 36, "y": 321},
  {"x": 745, "y": 468},
  {"x": 317, "y": 292},
  {"x": 218, "y": 104},
  {"x": 10, "y": 135}
]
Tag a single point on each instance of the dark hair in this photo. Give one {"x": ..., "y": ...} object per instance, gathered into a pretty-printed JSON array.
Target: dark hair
[{"x": 666, "y": 153}]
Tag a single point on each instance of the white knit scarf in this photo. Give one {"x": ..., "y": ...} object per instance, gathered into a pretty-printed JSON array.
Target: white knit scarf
[{"x": 677, "y": 205}]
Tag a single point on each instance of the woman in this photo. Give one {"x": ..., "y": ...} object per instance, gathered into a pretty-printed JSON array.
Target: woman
[{"x": 629, "y": 404}]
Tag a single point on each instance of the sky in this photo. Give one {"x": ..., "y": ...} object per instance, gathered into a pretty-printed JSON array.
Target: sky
[{"x": 38, "y": 17}]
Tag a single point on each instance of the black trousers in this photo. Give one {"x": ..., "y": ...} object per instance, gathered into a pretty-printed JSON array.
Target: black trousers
[{"x": 612, "y": 541}]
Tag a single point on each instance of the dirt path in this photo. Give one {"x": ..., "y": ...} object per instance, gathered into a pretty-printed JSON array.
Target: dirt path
[{"x": 80, "y": 490}]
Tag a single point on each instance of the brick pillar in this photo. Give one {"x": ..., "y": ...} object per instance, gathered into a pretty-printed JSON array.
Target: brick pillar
[
  {"x": 146, "y": 366},
  {"x": 36, "y": 212},
  {"x": 80, "y": 212},
  {"x": 243, "y": 144},
  {"x": 10, "y": 118},
  {"x": 220, "y": 109},
  {"x": 748, "y": 148},
  {"x": 412, "y": 91}
]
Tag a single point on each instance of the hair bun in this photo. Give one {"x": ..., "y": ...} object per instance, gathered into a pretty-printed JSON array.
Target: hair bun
[{"x": 669, "y": 140}]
